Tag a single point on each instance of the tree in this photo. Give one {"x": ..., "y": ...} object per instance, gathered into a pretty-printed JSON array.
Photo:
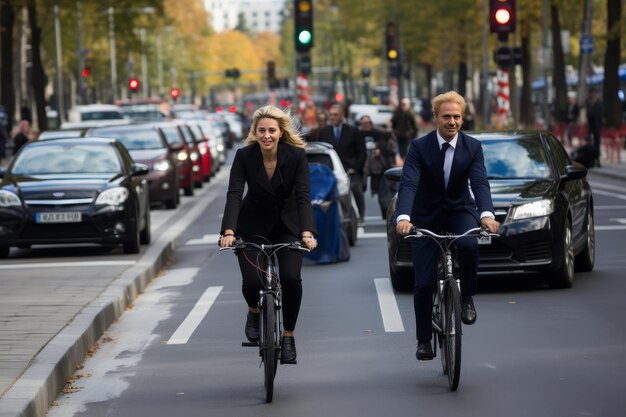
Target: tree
[
  {"x": 612, "y": 109},
  {"x": 38, "y": 75},
  {"x": 7, "y": 84},
  {"x": 558, "y": 69}
]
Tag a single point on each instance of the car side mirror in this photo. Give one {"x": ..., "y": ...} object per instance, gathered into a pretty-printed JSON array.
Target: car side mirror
[
  {"x": 574, "y": 172},
  {"x": 140, "y": 169},
  {"x": 393, "y": 174}
]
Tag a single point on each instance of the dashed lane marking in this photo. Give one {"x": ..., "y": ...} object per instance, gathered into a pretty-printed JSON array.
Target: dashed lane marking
[
  {"x": 388, "y": 306},
  {"x": 195, "y": 316}
]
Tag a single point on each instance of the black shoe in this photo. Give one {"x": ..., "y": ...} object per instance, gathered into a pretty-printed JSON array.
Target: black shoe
[
  {"x": 468, "y": 311},
  {"x": 424, "y": 351},
  {"x": 288, "y": 351},
  {"x": 252, "y": 326}
]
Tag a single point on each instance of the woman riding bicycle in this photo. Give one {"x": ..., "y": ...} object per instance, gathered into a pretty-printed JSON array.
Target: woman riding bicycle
[{"x": 276, "y": 208}]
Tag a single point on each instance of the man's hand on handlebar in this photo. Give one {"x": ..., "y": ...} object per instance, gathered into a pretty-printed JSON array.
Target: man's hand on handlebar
[
  {"x": 404, "y": 227},
  {"x": 490, "y": 224}
]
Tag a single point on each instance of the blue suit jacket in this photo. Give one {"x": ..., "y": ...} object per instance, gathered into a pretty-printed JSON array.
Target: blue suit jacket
[{"x": 422, "y": 193}]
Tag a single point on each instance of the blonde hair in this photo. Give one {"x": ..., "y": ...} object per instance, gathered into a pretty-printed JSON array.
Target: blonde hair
[
  {"x": 449, "y": 97},
  {"x": 288, "y": 134}
]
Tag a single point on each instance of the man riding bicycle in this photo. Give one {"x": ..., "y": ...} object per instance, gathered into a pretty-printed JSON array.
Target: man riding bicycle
[{"x": 433, "y": 194}]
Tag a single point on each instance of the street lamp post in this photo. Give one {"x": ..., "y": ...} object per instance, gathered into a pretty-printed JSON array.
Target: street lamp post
[{"x": 113, "y": 53}]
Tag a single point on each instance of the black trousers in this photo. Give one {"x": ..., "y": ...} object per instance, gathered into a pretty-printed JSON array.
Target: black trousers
[
  {"x": 426, "y": 253},
  {"x": 289, "y": 264}
]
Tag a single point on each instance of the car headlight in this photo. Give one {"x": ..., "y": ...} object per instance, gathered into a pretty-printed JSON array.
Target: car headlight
[
  {"x": 9, "y": 199},
  {"x": 162, "y": 166},
  {"x": 113, "y": 196},
  {"x": 182, "y": 156},
  {"x": 534, "y": 209}
]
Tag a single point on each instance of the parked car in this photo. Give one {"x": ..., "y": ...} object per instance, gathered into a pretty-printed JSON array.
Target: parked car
[
  {"x": 204, "y": 149},
  {"x": 194, "y": 152},
  {"x": 322, "y": 152},
  {"x": 57, "y": 134},
  {"x": 542, "y": 200},
  {"x": 175, "y": 138},
  {"x": 380, "y": 114},
  {"x": 75, "y": 190},
  {"x": 146, "y": 144},
  {"x": 94, "y": 115}
]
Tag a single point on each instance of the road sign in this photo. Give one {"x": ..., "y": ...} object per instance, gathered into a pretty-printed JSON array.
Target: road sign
[
  {"x": 586, "y": 44},
  {"x": 506, "y": 57}
]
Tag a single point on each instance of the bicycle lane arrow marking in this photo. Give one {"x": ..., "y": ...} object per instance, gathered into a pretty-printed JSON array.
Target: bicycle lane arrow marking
[
  {"x": 388, "y": 306},
  {"x": 195, "y": 316}
]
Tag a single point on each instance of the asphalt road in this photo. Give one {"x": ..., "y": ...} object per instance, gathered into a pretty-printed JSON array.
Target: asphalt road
[{"x": 533, "y": 351}]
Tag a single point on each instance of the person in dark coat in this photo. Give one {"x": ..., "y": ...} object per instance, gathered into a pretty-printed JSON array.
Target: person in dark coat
[
  {"x": 351, "y": 150},
  {"x": 404, "y": 125},
  {"x": 276, "y": 208},
  {"x": 594, "y": 111},
  {"x": 434, "y": 195},
  {"x": 21, "y": 137}
]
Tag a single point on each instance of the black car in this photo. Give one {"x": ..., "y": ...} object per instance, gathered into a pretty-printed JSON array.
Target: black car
[
  {"x": 146, "y": 144},
  {"x": 76, "y": 190},
  {"x": 544, "y": 205}
]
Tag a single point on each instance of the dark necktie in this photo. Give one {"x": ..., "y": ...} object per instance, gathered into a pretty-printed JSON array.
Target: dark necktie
[{"x": 444, "y": 148}]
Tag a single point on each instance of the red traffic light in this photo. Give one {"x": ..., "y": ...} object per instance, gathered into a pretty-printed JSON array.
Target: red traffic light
[
  {"x": 86, "y": 72},
  {"x": 502, "y": 16},
  {"x": 133, "y": 84},
  {"x": 174, "y": 93}
]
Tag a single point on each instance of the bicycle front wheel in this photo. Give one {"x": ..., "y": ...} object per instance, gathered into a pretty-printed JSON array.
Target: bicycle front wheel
[
  {"x": 269, "y": 346},
  {"x": 452, "y": 333}
]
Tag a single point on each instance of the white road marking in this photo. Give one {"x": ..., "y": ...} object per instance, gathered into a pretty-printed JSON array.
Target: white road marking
[
  {"x": 620, "y": 221},
  {"x": 193, "y": 319},
  {"x": 616, "y": 227},
  {"x": 388, "y": 306},
  {"x": 610, "y": 194},
  {"x": 361, "y": 234},
  {"x": 67, "y": 264},
  {"x": 617, "y": 207},
  {"x": 205, "y": 240}
]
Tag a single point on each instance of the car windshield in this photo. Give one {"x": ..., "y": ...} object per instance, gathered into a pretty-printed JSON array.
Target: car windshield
[
  {"x": 101, "y": 115},
  {"x": 172, "y": 136},
  {"x": 66, "y": 159},
  {"x": 132, "y": 139},
  {"x": 524, "y": 157}
]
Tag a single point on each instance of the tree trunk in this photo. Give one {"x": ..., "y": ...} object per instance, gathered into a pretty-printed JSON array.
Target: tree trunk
[
  {"x": 526, "y": 104},
  {"x": 462, "y": 78},
  {"x": 7, "y": 83},
  {"x": 558, "y": 70},
  {"x": 38, "y": 74},
  {"x": 612, "y": 108}
]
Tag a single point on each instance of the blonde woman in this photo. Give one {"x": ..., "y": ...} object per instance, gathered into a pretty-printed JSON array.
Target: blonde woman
[{"x": 276, "y": 208}]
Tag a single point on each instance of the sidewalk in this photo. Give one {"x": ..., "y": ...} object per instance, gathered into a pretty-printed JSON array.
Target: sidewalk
[
  {"x": 47, "y": 327},
  {"x": 49, "y": 323}
]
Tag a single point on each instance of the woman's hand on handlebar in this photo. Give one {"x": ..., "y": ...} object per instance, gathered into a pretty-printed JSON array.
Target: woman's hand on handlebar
[
  {"x": 309, "y": 240},
  {"x": 404, "y": 227},
  {"x": 227, "y": 239}
]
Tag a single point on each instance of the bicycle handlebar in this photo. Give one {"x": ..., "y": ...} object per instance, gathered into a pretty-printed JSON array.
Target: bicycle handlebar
[
  {"x": 241, "y": 244},
  {"x": 476, "y": 231}
]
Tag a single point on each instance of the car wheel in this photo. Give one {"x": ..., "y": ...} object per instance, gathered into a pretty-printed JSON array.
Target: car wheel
[
  {"x": 146, "y": 233},
  {"x": 133, "y": 245},
  {"x": 563, "y": 277},
  {"x": 402, "y": 279},
  {"x": 586, "y": 259},
  {"x": 189, "y": 191},
  {"x": 171, "y": 203},
  {"x": 4, "y": 251}
]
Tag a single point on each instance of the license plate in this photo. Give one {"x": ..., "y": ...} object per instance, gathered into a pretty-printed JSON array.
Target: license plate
[
  {"x": 484, "y": 240},
  {"x": 61, "y": 217}
]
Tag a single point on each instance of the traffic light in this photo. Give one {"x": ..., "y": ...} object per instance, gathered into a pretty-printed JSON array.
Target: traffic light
[
  {"x": 502, "y": 17},
  {"x": 391, "y": 38},
  {"x": 303, "y": 25},
  {"x": 87, "y": 67},
  {"x": 133, "y": 84},
  {"x": 174, "y": 93},
  {"x": 232, "y": 73}
]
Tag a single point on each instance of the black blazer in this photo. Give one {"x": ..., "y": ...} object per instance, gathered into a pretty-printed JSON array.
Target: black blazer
[
  {"x": 350, "y": 148},
  {"x": 422, "y": 193},
  {"x": 286, "y": 197}
]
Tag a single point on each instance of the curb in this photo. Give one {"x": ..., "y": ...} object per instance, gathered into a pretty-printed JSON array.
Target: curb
[{"x": 45, "y": 378}]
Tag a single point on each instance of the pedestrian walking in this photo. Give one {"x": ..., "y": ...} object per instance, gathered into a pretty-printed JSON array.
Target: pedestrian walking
[
  {"x": 21, "y": 136},
  {"x": 404, "y": 125},
  {"x": 350, "y": 147},
  {"x": 594, "y": 111}
]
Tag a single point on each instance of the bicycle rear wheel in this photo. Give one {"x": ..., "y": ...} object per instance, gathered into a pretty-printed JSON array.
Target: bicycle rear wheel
[
  {"x": 451, "y": 346},
  {"x": 269, "y": 347}
]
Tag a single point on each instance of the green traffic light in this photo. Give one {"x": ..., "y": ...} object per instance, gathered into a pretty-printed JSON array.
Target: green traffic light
[{"x": 304, "y": 37}]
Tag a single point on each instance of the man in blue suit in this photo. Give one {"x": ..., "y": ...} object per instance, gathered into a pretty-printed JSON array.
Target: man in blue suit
[{"x": 434, "y": 195}]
